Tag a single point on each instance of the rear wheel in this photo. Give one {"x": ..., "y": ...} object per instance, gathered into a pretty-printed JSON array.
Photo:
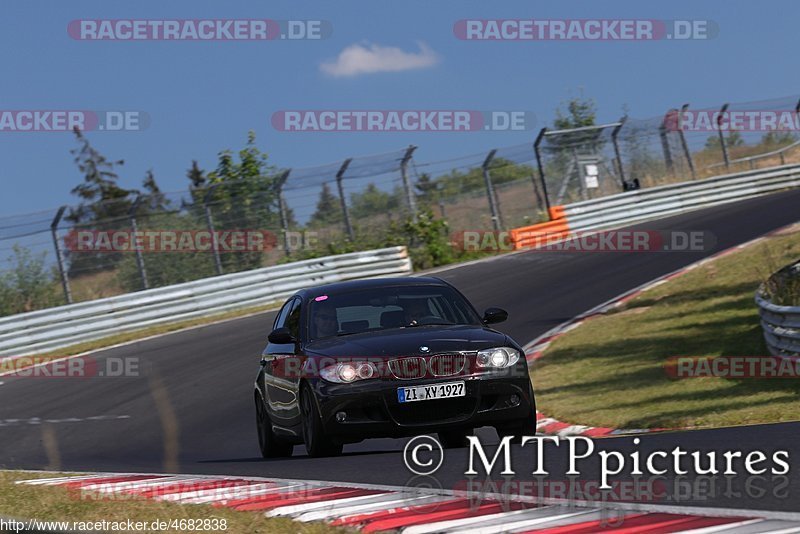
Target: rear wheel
[
  {"x": 317, "y": 443},
  {"x": 271, "y": 446}
]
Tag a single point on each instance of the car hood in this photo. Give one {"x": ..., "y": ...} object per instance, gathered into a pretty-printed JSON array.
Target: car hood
[{"x": 407, "y": 341}]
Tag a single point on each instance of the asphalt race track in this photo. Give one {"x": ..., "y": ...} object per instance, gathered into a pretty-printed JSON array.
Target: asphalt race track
[{"x": 192, "y": 411}]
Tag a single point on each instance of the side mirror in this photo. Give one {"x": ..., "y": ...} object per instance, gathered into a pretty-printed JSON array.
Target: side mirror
[
  {"x": 494, "y": 315},
  {"x": 281, "y": 336}
]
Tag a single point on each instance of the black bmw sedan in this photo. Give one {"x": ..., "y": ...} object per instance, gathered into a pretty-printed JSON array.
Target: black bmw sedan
[{"x": 387, "y": 357}]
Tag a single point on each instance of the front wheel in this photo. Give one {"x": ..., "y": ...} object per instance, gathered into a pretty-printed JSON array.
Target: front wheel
[
  {"x": 317, "y": 443},
  {"x": 271, "y": 446}
]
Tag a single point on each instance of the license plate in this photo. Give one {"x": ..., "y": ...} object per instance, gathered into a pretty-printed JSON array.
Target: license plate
[{"x": 447, "y": 390}]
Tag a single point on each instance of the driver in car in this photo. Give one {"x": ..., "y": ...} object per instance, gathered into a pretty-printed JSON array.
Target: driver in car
[
  {"x": 325, "y": 322},
  {"x": 415, "y": 310}
]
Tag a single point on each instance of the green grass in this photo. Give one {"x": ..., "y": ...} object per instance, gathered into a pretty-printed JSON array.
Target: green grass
[
  {"x": 610, "y": 370},
  {"x": 52, "y": 503}
]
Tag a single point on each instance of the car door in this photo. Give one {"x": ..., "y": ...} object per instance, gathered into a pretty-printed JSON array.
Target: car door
[
  {"x": 290, "y": 365},
  {"x": 275, "y": 368}
]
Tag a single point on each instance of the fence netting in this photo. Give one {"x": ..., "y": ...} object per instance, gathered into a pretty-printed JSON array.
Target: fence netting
[{"x": 370, "y": 201}]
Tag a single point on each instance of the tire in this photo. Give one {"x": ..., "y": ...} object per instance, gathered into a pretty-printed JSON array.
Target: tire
[
  {"x": 454, "y": 439},
  {"x": 317, "y": 443},
  {"x": 270, "y": 445}
]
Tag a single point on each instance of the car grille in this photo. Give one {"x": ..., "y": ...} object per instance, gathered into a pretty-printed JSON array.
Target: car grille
[
  {"x": 408, "y": 368},
  {"x": 437, "y": 365},
  {"x": 446, "y": 364}
]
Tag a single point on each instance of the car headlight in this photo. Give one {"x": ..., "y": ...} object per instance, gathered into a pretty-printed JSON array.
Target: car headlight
[
  {"x": 498, "y": 357},
  {"x": 348, "y": 372}
]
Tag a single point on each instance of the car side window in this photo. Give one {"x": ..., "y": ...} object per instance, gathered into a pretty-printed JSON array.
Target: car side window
[
  {"x": 280, "y": 320},
  {"x": 293, "y": 318}
]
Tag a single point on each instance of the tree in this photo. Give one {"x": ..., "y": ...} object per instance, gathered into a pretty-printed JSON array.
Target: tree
[
  {"x": 373, "y": 201},
  {"x": 427, "y": 190},
  {"x": 733, "y": 139},
  {"x": 104, "y": 205},
  {"x": 196, "y": 176},
  {"x": 777, "y": 138},
  {"x": 575, "y": 113},
  {"x": 28, "y": 285},
  {"x": 101, "y": 197},
  {"x": 246, "y": 197},
  {"x": 153, "y": 200},
  {"x": 328, "y": 211}
]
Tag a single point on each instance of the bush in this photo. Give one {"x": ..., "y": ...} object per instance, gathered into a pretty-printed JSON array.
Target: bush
[
  {"x": 28, "y": 285},
  {"x": 783, "y": 287},
  {"x": 427, "y": 239}
]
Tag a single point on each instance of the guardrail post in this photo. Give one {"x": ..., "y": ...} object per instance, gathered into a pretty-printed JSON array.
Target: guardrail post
[
  {"x": 135, "y": 229},
  {"x": 211, "y": 230},
  {"x": 282, "y": 210},
  {"x": 490, "y": 192},
  {"x": 617, "y": 156},
  {"x": 412, "y": 203},
  {"x": 339, "y": 176},
  {"x": 722, "y": 142},
  {"x": 60, "y": 255},
  {"x": 541, "y": 168},
  {"x": 684, "y": 145}
]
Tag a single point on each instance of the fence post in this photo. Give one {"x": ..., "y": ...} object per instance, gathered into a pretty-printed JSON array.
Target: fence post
[
  {"x": 135, "y": 229},
  {"x": 722, "y": 142},
  {"x": 490, "y": 193},
  {"x": 339, "y": 176},
  {"x": 211, "y": 230},
  {"x": 282, "y": 210},
  {"x": 536, "y": 144},
  {"x": 686, "y": 152},
  {"x": 662, "y": 133},
  {"x": 617, "y": 155},
  {"x": 412, "y": 203},
  {"x": 60, "y": 255}
]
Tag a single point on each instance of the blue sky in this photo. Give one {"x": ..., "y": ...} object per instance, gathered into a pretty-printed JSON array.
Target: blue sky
[{"x": 202, "y": 97}]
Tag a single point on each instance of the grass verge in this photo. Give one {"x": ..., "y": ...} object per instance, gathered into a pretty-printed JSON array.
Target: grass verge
[
  {"x": 52, "y": 503},
  {"x": 610, "y": 371}
]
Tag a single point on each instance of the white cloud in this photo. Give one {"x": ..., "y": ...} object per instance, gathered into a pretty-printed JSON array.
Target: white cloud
[{"x": 367, "y": 58}]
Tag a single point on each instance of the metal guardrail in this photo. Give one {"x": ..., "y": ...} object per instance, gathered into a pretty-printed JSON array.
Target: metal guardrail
[
  {"x": 779, "y": 152},
  {"x": 643, "y": 204},
  {"x": 781, "y": 324},
  {"x": 54, "y": 328}
]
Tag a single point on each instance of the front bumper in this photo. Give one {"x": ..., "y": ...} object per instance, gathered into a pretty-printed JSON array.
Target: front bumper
[{"x": 372, "y": 410}]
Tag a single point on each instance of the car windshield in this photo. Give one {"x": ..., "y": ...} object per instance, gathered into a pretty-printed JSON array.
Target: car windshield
[{"x": 383, "y": 308}]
